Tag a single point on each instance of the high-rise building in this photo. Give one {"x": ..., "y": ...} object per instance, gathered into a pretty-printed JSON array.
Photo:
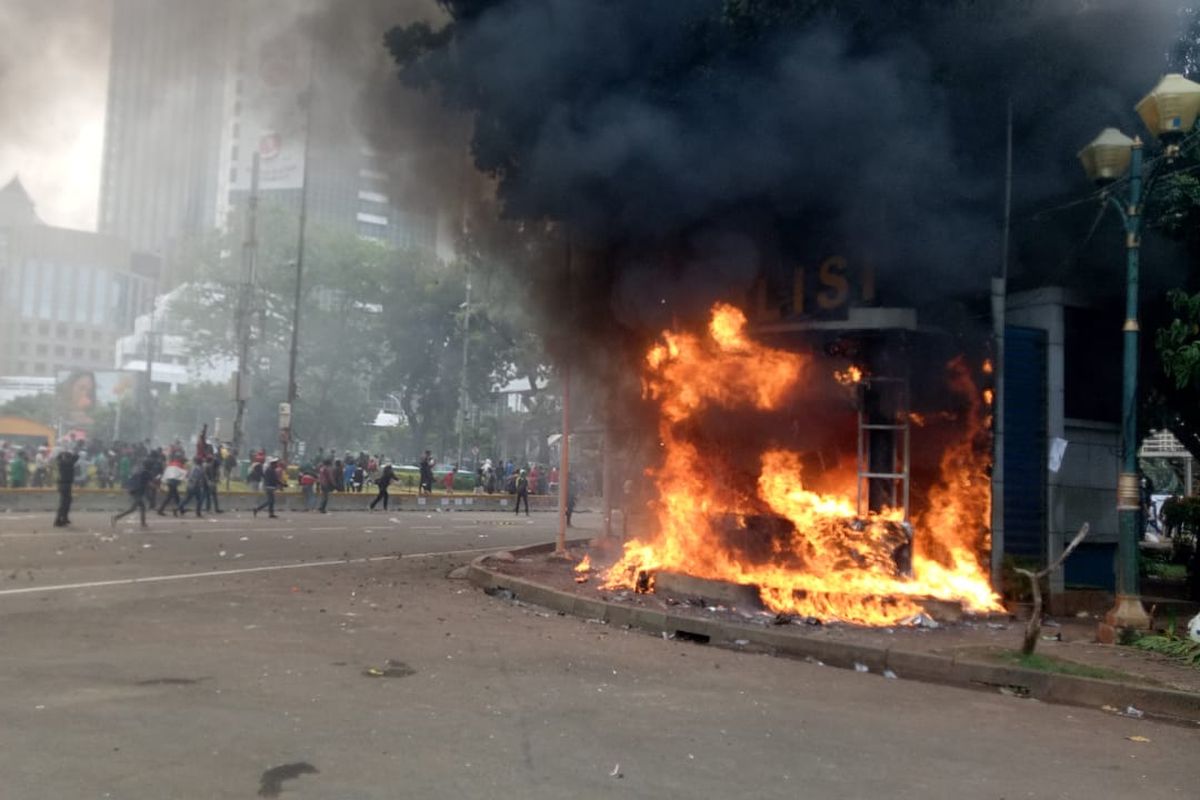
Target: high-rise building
[
  {"x": 293, "y": 102},
  {"x": 197, "y": 88},
  {"x": 65, "y": 295},
  {"x": 163, "y": 132}
]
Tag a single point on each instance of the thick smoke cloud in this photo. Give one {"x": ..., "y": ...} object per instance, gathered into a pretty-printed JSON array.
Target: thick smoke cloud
[
  {"x": 53, "y": 69},
  {"x": 885, "y": 143},
  {"x": 420, "y": 142},
  {"x": 688, "y": 180},
  {"x": 54, "y": 74}
]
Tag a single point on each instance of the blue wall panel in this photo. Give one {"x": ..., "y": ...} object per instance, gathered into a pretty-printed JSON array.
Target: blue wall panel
[{"x": 1024, "y": 441}]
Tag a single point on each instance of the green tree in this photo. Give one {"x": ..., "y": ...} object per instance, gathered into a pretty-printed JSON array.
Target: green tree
[
  {"x": 1173, "y": 211},
  {"x": 337, "y": 323},
  {"x": 1178, "y": 341},
  {"x": 181, "y": 414},
  {"x": 39, "y": 408},
  {"x": 374, "y": 321}
]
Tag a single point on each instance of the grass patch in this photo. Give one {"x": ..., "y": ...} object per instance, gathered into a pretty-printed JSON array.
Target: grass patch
[
  {"x": 1059, "y": 666},
  {"x": 1163, "y": 571}
]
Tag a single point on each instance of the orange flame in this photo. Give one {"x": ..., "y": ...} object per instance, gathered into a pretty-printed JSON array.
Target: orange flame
[
  {"x": 807, "y": 552},
  {"x": 849, "y": 376},
  {"x": 583, "y": 570}
]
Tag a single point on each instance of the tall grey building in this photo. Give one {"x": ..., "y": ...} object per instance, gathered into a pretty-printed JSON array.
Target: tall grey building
[
  {"x": 163, "y": 132},
  {"x": 196, "y": 88},
  {"x": 294, "y": 103},
  {"x": 65, "y": 295}
]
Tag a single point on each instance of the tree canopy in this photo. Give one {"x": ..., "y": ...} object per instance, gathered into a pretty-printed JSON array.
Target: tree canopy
[{"x": 374, "y": 321}]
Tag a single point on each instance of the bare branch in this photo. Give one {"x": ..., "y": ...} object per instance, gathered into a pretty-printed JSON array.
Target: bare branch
[
  {"x": 1079, "y": 537},
  {"x": 1033, "y": 628}
]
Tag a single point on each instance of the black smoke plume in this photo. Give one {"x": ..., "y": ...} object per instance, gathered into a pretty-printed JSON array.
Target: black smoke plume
[{"x": 690, "y": 147}]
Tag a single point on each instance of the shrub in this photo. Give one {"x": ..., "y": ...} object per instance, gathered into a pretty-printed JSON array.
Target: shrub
[{"x": 1172, "y": 646}]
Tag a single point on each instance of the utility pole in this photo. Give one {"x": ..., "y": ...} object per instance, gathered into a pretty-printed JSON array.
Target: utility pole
[
  {"x": 149, "y": 388},
  {"x": 285, "y": 434},
  {"x": 564, "y": 461},
  {"x": 249, "y": 257},
  {"x": 462, "y": 390},
  {"x": 999, "y": 312},
  {"x": 606, "y": 480}
]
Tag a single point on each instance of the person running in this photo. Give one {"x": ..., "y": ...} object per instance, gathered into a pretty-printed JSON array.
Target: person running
[
  {"x": 173, "y": 475},
  {"x": 138, "y": 481},
  {"x": 158, "y": 463},
  {"x": 195, "y": 487},
  {"x": 522, "y": 492},
  {"x": 384, "y": 480},
  {"x": 271, "y": 482},
  {"x": 65, "y": 461}
]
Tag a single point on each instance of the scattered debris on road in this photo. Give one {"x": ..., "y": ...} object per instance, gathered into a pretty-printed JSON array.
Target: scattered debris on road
[
  {"x": 170, "y": 681},
  {"x": 391, "y": 669},
  {"x": 271, "y": 783}
]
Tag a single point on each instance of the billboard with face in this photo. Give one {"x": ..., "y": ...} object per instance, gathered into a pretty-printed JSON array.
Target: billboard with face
[
  {"x": 82, "y": 392},
  {"x": 273, "y": 122}
]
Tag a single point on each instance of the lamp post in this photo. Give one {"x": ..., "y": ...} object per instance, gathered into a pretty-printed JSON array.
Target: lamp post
[
  {"x": 1169, "y": 113},
  {"x": 462, "y": 388}
]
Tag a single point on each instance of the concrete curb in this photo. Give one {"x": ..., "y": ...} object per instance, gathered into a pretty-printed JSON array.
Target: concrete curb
[
  {"x": 1168, "y": 704},
  {"x": 45, "y": 501}
]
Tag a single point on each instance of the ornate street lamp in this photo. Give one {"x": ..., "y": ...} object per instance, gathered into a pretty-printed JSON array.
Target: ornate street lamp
[
  {"x": 1107, "y": 157},
  {"x": 1169, "y": 113}
]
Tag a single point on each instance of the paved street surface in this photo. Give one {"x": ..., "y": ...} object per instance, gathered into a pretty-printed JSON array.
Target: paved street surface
[{"x": 193, "y": 687}]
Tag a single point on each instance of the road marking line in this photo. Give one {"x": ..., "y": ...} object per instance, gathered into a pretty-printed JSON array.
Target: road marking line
[
  {"x": 174, "y": 531},
  {"x": 426, "y": 528},
  {"x": 244, "y": 570},
  {"x": 340, "y": 528}
]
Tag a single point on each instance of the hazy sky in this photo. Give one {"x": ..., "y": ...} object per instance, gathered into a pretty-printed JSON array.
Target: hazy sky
[{"x": 53, "y": 79}]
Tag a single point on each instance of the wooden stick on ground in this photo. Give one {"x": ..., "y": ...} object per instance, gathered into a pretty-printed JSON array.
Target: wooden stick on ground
[{"x": 1033, "y": 629}]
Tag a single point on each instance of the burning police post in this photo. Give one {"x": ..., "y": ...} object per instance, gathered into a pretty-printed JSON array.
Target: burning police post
[{"x": 744, "y": 507}]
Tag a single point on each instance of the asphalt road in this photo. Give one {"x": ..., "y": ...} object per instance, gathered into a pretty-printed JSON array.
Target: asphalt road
[{"x": 194, "y": 687}]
